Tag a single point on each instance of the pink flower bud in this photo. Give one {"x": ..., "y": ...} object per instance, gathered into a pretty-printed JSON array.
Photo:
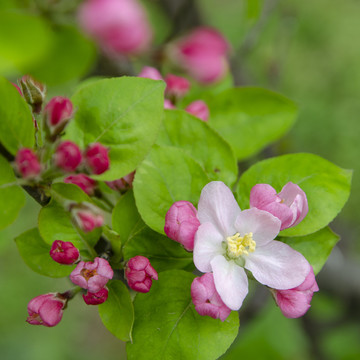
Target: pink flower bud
[
  {"x": 33, "y": 91},
  {"x": 290, "y": 205},
  {"x": 67, "y": 156},
  {"x": 199, "y": 109},
  {"x": 46, "y": 309},
  {"x": 149, "y": 72},
  {"x": 176, "y": 86},
  {"x": 295, "y": 302},
  {"x": 206, "y": 299},
  {"x": 97, "y": 158},
  {"x": 119, "y": 26},
  {"x": 86, "y": 217},
  {"x": 96, "y": 298},
  {"x": 92, "y": 275},
  {"x": 181, "y": 223},
  {"x": 168, "y": 105},
  {"x": 85, "y": 183},
  {"x": 64, "y": 252},
  {"x": 203, "y": 54},
  {"x": 139, "y": 274},
  {"x": 123, "y": 184},
  {"x": 27, "y": 163},
  {"x": 58, "y": 112}
]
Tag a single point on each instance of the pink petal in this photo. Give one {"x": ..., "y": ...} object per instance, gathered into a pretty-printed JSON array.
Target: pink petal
[
  {"x": 293, "y": 304},
  {"x": 277, "y": 265},
  {"x": 208, "y": 244},
  {"x": 262, "y": 224},
  {"x": 261, "y": 195},
  {"x": 218, "y": 206},
  {"x": 230, "y": 281}
]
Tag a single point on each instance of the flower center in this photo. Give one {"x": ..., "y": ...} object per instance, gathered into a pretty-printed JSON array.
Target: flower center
[
  {"x": 87, "y": 274},
  {"x": 240, "y": 245}
]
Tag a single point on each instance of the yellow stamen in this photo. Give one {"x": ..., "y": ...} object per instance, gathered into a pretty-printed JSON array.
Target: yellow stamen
[{"x": 240, "y": 245}]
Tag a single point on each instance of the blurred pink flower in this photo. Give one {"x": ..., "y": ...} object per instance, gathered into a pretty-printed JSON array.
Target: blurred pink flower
[
  {"x": 27, "y": 163},
  {"x": 85, "y": 183},
  {"x": 199, "y": 109}
]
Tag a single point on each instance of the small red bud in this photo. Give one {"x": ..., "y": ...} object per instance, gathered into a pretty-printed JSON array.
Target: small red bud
[
  {"x": 177, "y": 86},
  {"x": 27, "y": 163},
  {"x": 85, "y": 183},
  {"x": 86, "y": 217},
  {"x": 64, "y": 252},
  {"x": 97, "y": 158},
  {"x": 67, "y": 156},
  {"x": 96, "y": 298},
  {"x": 199, "y": 109},
  {"x": 58, "y": 112}
]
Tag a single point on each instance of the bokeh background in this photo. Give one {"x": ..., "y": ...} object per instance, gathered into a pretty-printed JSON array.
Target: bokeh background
[{"x": 308, "y": 51}]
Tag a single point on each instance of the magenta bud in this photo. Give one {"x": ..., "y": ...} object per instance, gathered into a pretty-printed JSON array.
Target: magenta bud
[
  {"x": 206, "y": 299},
  {"x": 139, "y": 274},
  {"x": 58, "y": 112},
  {"x": 67, "y": 156},
  {"x": 199, "y": 109},
  {"x": 86, "y": 217},
  {"x": 33, "y": 91},
  {"x": 27, "y": 163},
  {"x": 97, "y": 158},
  {"x": 176, "y": 86},
  {"x": 64, "y": 252},
  {"x": 85, "y": 183},
  {"x": 168, "y": 105},
  {"x": 96, "y": 298},
  {"x": 289, "y": 205},
  {"x": 149, "y": 72},
  {"x": 123, "y": 184},
  {"x": 92, "y": 275},
  {"x": 181, "y": 223},
  {"x": 46, "y": 309},
  {"x": 295, "y": 302}
]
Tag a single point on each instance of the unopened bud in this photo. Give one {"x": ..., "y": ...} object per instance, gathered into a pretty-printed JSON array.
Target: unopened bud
[
  {"x": 139, "y": 274},
  {"x": 34, "y": 92},
  {"x": 168, "y": 105},
  {"x": 199, "y": 109},
  {"x": 67, "y": 156},
  {"x": 27, "y": 163},
  {"x": 58, "y": 112},
  {"x": 85, "y": 183},
  {"x": 177, "y": 86},
  {"x": 86, "y": 217},
  {"x": 96, "y": 298},
  {"x": 97, "y": 158},
  {"x": 123, "y": 184},
  {"x": 149, "y": 72},
  {"x": 64, "y": 252}
]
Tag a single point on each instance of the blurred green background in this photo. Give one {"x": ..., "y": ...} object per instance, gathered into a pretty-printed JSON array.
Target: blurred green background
[{"x": 306, "y": 50}]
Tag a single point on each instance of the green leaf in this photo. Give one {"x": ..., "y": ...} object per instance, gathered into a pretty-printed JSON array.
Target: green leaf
[
  {"x": 123, "y": 114},
  {"x": 250, "y": 118},
  {"x": 117, "y": 312},
  {"x": 35, "y": 253},
  {"x": 168, "y": 327},
  {"x": 202, "y": 143},
  {"x": 165, "y": 176},
  {"x": 315, "y": 247},
  {"x": 25, "y": 40},
  {"x": 326, "y": 185},
  {"x": 12, "y": 198},
  {"x": 16, "y": 125},
  {"x": 55, "y": 222},
  {"x": 69, "y": 57}
]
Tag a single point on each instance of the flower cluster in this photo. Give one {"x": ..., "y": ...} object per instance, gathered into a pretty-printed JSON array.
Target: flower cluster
[{"x": 228, "y": 243}]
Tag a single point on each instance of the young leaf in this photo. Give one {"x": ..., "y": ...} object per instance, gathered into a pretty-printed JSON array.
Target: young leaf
[
  {"x": 250, "y": 118},
  {"x": 123, "y": 114},
  {"x": 168, "y": 327},
  {"x": 326, "y": 185},
  {"x": 12, "y": 198},
  {"x": 202, "y": 143},
  {"x": 117, "y": 312},
  {"x": 165, "y": 176},
  {"x": 35, "y": 253},
  {"x": 315, "y": 247},
  {"x": 16, "y": 125}
]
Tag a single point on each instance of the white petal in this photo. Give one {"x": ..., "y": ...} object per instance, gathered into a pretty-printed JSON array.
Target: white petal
[
  {"x": 262, "y": 224},
  {"x": 218, "y": 206},
  {"x": 277, "y": 265},
  {"x": 207, "y": 245},
  {"x": 230, "y": 281}
]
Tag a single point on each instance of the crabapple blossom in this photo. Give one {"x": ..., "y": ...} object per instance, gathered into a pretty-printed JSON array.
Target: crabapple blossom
[
  {"x": 230, "y": 240},
  {"x": 67, "y": 156},
  {"x": 97, "y": 158},
  {"x": 199, "y": 109},
  {"x": 206, "y": 299},
  {"x": 150, "y": 72},
  {"x": 289, "y": 205},
  {"x": 64, "y": 252},
  {"x": 27, "y": 163},
  {"x": 295, "y": 302},
  {"x": 92, "y": 275},
  {"x": 96, "y": 298},
  {"x": 181, "y": 223},
  {"x": 122, "y": 184},
  {"x": 58, "y": 112},
  {"x": 85, "y": 183},
  {"x": 139, "y": 274},
  {"x": 86, "y": 217},
  {"x": 176, "y": 86},
  {"x": 46, "y": 309}
]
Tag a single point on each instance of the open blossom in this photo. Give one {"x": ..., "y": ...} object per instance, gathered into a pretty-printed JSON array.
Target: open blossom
[
  {"x": 67, "y": 156},
  {"x": 119, "y": 26},
  {"x": 295, "y": 302},
  {"x": 85, "y": 183},
  {"x": 140, "y": 274},
  {"x": 46, "y": 309},
  {"x": 206, "y": 299},
  {"x": 27, "y": 163},
  {"x": 64, "y": 252},
  {"x": 92, "y": 275},
  {"x": 199, "y": 109},
  {"x": 96, "y": 298},
  {"x": 181, "y": 223},
  {"x": 289, "y": 205},
  {"x": 229, "y": 240},
  {"x": 97, "y": 158}
]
